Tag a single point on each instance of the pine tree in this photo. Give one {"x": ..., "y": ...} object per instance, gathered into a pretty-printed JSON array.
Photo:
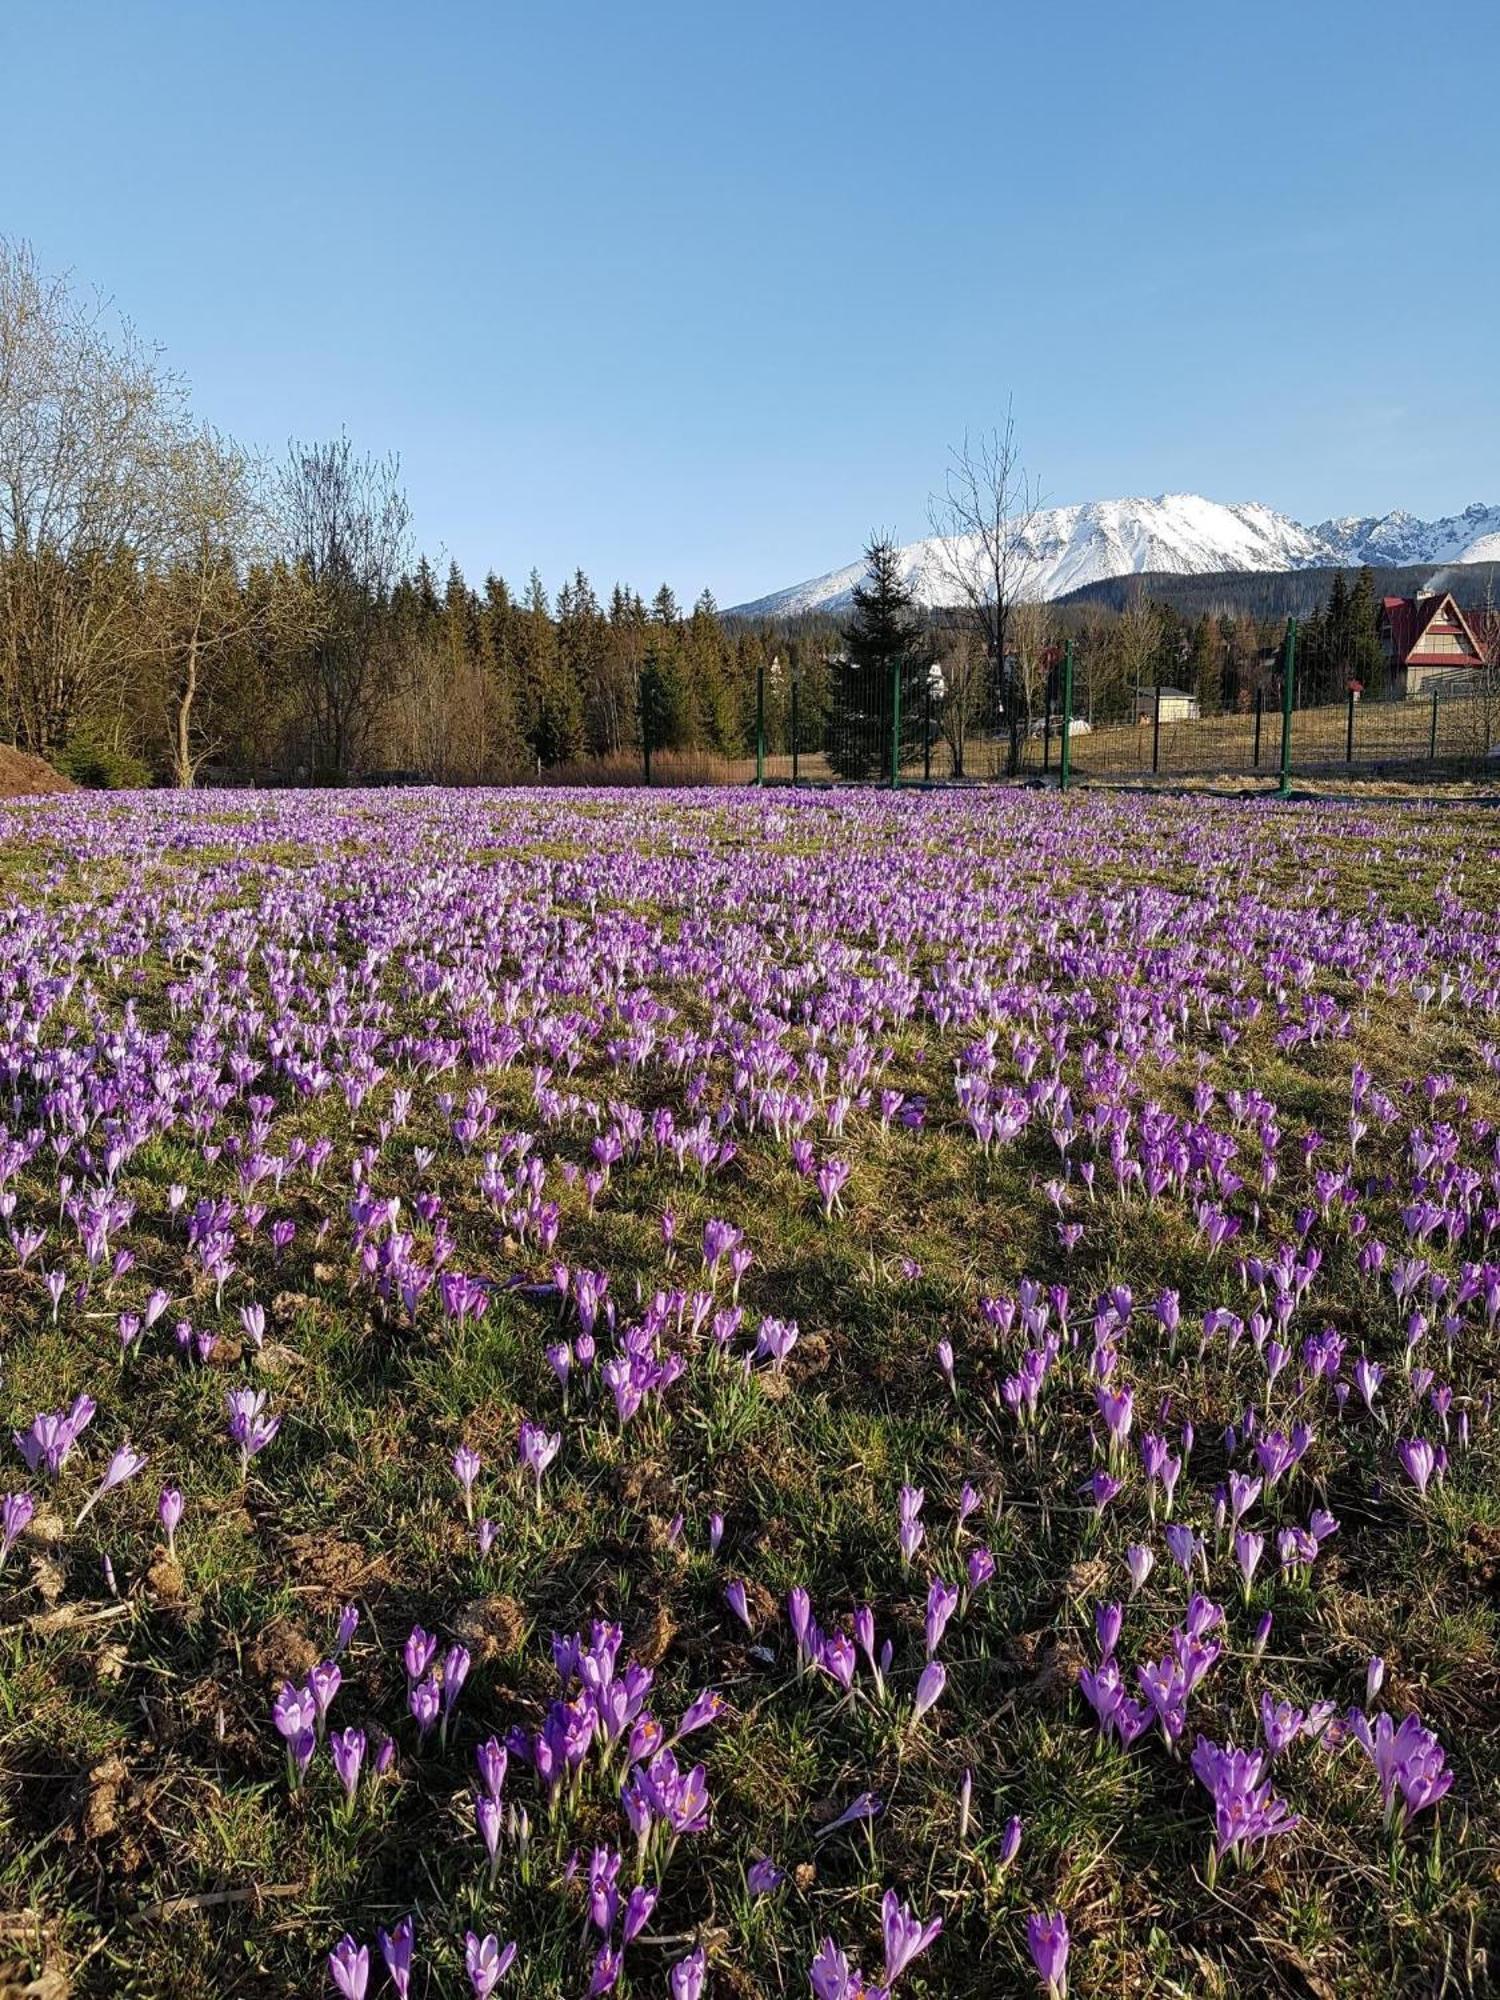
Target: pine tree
[
  {"x": 1208, "y": 667},
  {"x": 1367, "y": 663},
  {"x": 1332, "y": 644},
  {"x": 507, "y": 747},
  {"x": 708, "y": 661},
  {"x": 554, "y": 722},
  {"x": 881, "y": 643},
  {"x": 583, "y": 651}
]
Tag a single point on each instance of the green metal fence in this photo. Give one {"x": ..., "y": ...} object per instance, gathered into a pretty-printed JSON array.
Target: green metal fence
[{"x": 901, "y": 728}]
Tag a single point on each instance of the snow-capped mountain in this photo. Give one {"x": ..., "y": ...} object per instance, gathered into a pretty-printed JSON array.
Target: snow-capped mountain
[{"x": 1178, "y": 532}]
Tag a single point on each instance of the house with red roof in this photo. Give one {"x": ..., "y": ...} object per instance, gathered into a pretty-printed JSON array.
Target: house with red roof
[{"x": 1430, "y": 641}]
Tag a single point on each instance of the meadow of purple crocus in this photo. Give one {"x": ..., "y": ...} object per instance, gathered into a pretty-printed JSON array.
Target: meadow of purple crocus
[{"x": 700, "y": 1394}]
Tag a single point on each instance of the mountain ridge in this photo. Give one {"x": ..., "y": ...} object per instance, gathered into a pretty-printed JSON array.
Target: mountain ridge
[{"x": 1095, "y": 541}]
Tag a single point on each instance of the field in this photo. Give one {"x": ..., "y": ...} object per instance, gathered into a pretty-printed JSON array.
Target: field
[
  {"x": 729, "y": 1387},
  {"x": 1407, "y": 738}
]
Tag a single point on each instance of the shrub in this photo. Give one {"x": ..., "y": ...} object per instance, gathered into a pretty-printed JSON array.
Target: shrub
[{"x": 100, "y": 766}]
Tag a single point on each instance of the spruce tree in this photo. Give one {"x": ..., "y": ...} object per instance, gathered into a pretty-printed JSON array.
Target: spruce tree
[
  {"x": 554, "y": 720},
  {"x": 1208, "y": 667},
  {"x": 507, "y": 747},
  {"x": 881, "y": 642},
  {"x": 1367, "y": 663}
]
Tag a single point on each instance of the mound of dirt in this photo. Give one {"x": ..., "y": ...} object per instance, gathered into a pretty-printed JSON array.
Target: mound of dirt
[{"x": 23, "y": 776}]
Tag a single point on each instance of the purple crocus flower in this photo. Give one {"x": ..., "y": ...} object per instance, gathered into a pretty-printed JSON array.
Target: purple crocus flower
[
  {"x": 1140, "y": 1562},
  {"x": 348, "y": 1749},
  {"x": 686, "y": 1979},
  {"x": 906, "y": 1936},
  {"x": 930, "y": 1684},
  {"x": 169, "y": 1512},
  {"x": 763, "y": 1877},
  {"x": 349, "y": 1967},
  {"x": 455, "y": 1673},
  {"x": 1247, "y": 1812},
  {"x": 638, "y": 1907},
  {"x": 831, "y": 1975},
  {"x": 1408, "y": 1761},
  {"x": 980, "y": 1568},
  {"x": 735, "y": 1598},
  {"x": 16, "y": 1511},
  {"x": 418, "y": 1652},
  {"x": 492, "y": 1759},
  {"x": 1418, "y": 1461},
  {"x": 323, "y": 1683},
  {"x": 1108, "y": 1619},
  {"x": 1047, "y": 1941},
  {"x": 466, "y": 1467},
  {"x": 425, "y": 1700},
  {"x": 537, "y": 1449},
  {"x": 909, "y": 1503},
  {"x": 251, "y": 1427},
  {"x": 942, "y": 1602},
  {"x": 488, "y": 1818},
  {"x": 396, "y": 1950},
  {"x": 486, "y": 1963},
  {"x": 125, "y": 1462},
  {"x": 866, "y": 1806}
]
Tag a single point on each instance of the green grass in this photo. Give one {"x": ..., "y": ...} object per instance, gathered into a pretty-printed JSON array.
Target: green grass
[{"x": 138, "y": 1763}]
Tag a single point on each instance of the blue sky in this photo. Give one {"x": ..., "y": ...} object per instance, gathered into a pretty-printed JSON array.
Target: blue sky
[{"x": 704, "y": 293}]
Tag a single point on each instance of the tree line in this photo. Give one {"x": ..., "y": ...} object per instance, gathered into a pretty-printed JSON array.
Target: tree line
[{"x": 170, "y": 603}]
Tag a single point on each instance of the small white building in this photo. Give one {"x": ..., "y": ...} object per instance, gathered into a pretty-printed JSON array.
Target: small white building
[{"x": 1177, "y": 705}]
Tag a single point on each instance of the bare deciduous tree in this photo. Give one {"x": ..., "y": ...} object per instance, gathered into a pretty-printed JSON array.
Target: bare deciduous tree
[
  {"x": 198, "y": 613},
  {"x": 88, "y": 421},
  {"x": 348, "y": 530},
  {"x": 1136, "y": 641},
  {"x": 962, "y": 664},
  {"x": 1032, "y": 631},
  {"x": 984, "y": 550}
]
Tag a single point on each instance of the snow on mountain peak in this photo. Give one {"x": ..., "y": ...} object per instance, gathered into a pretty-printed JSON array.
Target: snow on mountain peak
[{"x": 1183, "y": 533}]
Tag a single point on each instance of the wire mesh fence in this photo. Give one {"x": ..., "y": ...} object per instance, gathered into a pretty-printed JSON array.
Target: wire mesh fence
[{"x": 904, "y": 728}]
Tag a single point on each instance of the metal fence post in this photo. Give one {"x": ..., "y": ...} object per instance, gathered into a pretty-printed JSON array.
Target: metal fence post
[
  {"x": 1260, "y": 702},
  {"x": 895, "y": 723},
  {"x": 760, "y": 725},
  {"x": 1047, "y": 725},
  {"x": 1156, "y": 731},
  {"x": 1349, "y": 732},
  {"x": 927, "y": 732},
  {"x": 796, "y": 732},
  {"x": 1432, "y": 733},
  {"x": 1289, "y": 667},
  {"x": 1065, "y": 754}
]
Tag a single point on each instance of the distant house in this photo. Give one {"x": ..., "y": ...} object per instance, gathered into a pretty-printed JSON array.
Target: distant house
[
  {"x": 1177, "y": 705},
  {"x": 1429, "y": 641}
]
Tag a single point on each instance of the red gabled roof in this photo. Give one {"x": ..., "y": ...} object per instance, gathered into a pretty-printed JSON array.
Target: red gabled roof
[{"x": 1408, "y": 619}]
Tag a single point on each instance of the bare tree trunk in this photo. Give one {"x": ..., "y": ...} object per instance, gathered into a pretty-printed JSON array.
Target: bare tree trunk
[
  {"x": 983, "y": 525},
  {"x": 182, "y": 721}
]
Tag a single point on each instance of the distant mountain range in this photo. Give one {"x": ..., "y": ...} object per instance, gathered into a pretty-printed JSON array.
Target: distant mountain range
[{"x": 1179, "y": 533}]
